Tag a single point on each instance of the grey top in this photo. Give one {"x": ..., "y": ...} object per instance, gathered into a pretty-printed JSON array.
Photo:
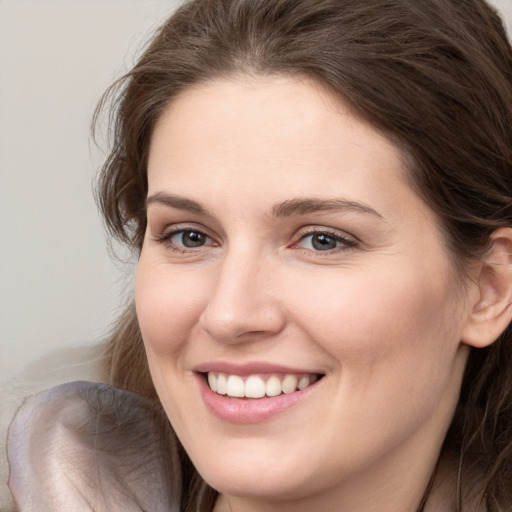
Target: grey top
[
  {"x": 70, "y": 363},
  {"x": 86, "y": 447}
]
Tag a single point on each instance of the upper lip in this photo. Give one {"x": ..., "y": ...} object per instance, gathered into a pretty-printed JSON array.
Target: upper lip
[{"x": 249, "y": 368}]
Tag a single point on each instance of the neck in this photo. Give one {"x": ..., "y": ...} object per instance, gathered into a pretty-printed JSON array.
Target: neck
[{"x": 443, "y": 497}]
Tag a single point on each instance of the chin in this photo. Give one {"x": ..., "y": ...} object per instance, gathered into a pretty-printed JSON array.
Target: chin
[
  {"x": 257, "y": 484},
  {"x": 261, "y": 475}
]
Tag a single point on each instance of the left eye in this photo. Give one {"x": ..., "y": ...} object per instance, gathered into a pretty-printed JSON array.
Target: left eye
[
  {"x": 190, "y": 238},
  {"x": 323, "y": 242}
]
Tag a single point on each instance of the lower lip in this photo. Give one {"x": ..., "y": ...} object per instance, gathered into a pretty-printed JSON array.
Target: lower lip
[{"x": 250, "y": 410}]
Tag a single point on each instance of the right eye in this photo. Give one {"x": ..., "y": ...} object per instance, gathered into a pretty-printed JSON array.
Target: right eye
[
  {"x": 189, "y": 238},
  {"x": 182, "y": 240}
]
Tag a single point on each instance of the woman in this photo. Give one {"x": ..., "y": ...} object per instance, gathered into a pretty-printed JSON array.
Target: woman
[{"x": 320, "y": 195}]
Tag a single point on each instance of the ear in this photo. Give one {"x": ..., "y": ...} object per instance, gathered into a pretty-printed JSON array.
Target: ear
[{"x": 491, "y": 310}]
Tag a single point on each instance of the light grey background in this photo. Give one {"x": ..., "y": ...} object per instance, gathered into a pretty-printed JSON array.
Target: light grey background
[{"x": 58, "y": 286}]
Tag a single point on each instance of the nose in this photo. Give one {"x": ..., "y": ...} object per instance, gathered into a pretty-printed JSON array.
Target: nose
[{"x": 244, "y": 304}]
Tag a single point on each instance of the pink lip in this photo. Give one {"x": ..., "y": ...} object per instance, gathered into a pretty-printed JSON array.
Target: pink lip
[
  {"x": 248, "y": 410},
  {"x": 249, "y": 368}
]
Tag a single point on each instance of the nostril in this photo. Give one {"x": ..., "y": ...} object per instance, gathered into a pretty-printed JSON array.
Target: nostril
[
  {"x": 239, "y": 308},
  {"x": 241, "y": 328}
]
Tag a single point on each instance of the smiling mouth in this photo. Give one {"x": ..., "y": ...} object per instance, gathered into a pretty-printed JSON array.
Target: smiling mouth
[{"x": 259, "y": 386}]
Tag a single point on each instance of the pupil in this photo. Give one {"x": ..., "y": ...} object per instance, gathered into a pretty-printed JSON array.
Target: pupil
[
  {"x": 193, "y": 239},
  {"x": 323, "y": 242}
]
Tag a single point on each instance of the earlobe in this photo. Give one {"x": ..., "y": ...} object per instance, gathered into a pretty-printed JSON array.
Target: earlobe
[{"x": 491, "y": 312}]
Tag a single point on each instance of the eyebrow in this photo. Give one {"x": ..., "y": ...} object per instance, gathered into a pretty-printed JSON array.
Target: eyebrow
[
  {"x": 288, "y": 208},
  {"x": 180, "y": 203},
  {"x": 304, "y": 206}
]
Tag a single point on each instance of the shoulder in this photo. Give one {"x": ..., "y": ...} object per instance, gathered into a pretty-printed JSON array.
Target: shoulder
[{"x": 83, "y": 446}]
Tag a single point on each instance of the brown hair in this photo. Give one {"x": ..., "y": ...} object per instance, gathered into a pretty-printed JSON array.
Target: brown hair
[{"x": 434, "y": 75}]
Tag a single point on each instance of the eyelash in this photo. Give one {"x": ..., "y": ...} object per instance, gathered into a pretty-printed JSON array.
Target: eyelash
[
  {"x": 166, "y": 237},
  {"x": 345, "y": 242}
]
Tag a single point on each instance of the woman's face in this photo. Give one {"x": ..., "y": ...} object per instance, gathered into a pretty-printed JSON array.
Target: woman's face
[{"x": 286, "y": 258}]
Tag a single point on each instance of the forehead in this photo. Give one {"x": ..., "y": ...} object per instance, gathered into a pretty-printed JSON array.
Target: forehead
[{"x": 269, "y": 136}]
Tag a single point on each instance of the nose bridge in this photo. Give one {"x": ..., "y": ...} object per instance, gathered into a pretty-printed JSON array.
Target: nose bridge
[{"x": 242, "y": 304}]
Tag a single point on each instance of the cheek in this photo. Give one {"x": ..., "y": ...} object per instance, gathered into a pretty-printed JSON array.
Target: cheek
[
  {"x": 168, "y": 307},
  {"x": 394, "y": 345},
  {"x": 380, "y": 326}
]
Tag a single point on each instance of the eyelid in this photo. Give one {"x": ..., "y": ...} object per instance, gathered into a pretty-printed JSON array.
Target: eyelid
[
  {"x": 312, "y": 229},
  {"x": 172, "y": 228}
]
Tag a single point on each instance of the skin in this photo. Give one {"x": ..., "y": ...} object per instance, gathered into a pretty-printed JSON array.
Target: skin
[{"x": 381, "y": 317}]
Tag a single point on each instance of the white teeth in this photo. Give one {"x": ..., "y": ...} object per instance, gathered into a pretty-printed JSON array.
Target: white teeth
[
  {"x": 303, "y": 382},
  {"x": 235, "y": 386},
  {"x": 212, "y": 381},
  {"x": 222, "y": 384},
  {"x": 255, "y": 386},
  {"x": 289, "y": 384},
  {"x": 273, "y": 386}
]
